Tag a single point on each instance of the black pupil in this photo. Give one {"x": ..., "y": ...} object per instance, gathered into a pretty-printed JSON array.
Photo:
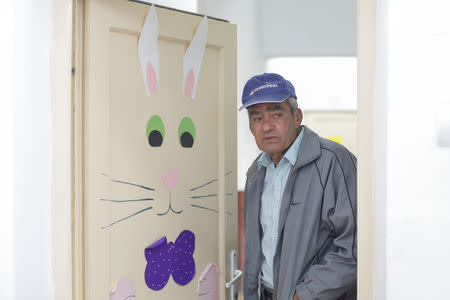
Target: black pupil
[
  {"x": 186, "y": 140},
  {"x": 155, "y": 138}
]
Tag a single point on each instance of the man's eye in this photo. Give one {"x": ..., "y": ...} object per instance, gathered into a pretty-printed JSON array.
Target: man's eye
[
  {"x": 256, "y": 119},
  {"x": 277, "y": 115}
]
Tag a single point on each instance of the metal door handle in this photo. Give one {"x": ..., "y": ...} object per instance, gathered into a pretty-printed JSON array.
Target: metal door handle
[{"x": 237, "y": 274}]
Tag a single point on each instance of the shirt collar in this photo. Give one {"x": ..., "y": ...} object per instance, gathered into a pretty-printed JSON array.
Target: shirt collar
[
  {"x": 264, "y": 160},
  {"x": 291, "y": 155}
]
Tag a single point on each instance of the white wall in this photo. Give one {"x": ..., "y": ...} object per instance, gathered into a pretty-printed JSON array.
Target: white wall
[
  {"x": 380, "y": 152},
  {"x": 246, "y": 14},
  {"x": 36, "y": 232},
  {"x": 6, "y": 151},
  {"x": 32, "y": 150},
  {"x": 417, "y": 95},
  {"x": 186, "y": 5},
  {"x": 308, "y": 27},
  {"x": 321, "y": 83}
]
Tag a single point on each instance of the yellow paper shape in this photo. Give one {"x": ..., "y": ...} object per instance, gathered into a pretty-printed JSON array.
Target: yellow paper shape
[{"x": 336, "y": 139}]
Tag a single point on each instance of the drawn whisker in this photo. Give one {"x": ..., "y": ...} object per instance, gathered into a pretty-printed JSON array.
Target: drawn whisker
[
  {"x": 128, "y": 200},
  {"x": 204, "y": 196},
  {"x": 130, "y": 183},
  {"x": 209, "y": 182},
  {"x": 207, "y": 208},
  {"x": 210, "y": 195},
  {"x": 192, "y": 198},
  {"x": 123, "y": 219},
  {"x": 203, "y": 185}
]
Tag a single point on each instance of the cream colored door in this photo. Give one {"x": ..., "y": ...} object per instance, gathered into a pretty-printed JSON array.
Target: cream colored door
[{"x": 139, "y": 189}]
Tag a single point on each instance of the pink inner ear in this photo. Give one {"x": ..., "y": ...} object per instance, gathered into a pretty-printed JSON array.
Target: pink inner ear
[
  {"x": 152, "y": 82},
  {"x": 189, "y": 84}
]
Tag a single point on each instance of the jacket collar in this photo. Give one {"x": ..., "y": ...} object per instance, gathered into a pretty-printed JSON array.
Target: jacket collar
[{"x": 309, "y": 149}]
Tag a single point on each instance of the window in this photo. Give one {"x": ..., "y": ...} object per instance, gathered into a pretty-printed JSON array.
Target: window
[{"x": 321, "y": 83}]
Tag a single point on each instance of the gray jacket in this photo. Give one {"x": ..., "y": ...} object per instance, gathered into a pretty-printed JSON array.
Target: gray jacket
[{"x": 316, "y": 249}]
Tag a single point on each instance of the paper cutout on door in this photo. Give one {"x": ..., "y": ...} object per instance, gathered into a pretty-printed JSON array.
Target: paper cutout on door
[
  {"x": 208, "y": 283},
  {"x": 123, "y": 289},
  {"x": 165, "y": 258}
]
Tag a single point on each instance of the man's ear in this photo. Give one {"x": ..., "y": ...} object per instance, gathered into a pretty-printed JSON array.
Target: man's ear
[{"x": 298, "y": 115}]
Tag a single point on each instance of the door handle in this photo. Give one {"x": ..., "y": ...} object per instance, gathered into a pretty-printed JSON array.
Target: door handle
[{"x": 237, "y": 274}]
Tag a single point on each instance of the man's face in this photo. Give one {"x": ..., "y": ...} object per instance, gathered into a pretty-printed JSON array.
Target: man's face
[{"x": 274, "y": 126}]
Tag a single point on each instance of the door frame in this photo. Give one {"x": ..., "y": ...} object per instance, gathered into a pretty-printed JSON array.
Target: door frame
[
  {"x": 62, "y": 142},
  {"x": 79, "y": 24},
  {"x": 366, "y": 38}
]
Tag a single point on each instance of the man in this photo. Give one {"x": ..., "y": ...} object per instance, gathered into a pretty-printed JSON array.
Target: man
[{"x": 300, "y": 203}]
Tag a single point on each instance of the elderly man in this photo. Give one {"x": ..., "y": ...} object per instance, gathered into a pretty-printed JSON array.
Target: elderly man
[{"x": 300, "y": 203}]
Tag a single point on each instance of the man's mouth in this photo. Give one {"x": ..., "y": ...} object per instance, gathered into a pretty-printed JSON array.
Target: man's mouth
[{"x": 269, "y": 138}]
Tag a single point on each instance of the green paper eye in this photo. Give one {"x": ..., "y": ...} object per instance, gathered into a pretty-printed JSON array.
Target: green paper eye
[
  {"x": 186, "y": 133},
  {"x": 155, "y": 131}
]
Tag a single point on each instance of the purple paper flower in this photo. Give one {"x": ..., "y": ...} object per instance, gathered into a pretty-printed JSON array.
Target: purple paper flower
[{"x": 173, "y": 258}]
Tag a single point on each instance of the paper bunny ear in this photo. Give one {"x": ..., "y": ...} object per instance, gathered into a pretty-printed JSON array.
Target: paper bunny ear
[
  {"x": 193, "y": 59},
  {"x": 148, "y": 52}
]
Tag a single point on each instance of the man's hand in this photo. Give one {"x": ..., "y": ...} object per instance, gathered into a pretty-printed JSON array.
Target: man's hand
[{"x": 296, "y": 297}]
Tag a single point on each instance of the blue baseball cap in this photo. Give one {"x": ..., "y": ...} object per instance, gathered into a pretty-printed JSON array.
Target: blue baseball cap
[{"x": 265, "y": 88}]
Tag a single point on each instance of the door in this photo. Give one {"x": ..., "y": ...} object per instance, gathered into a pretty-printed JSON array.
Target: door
[{"x": 160, "y": 195}]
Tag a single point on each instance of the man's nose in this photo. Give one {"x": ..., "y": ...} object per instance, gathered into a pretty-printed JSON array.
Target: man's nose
[{"x": 267, "y": 124}]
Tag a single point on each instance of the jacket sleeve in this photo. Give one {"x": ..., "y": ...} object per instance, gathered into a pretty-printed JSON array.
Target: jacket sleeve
[{"x": 336, "y": 276}]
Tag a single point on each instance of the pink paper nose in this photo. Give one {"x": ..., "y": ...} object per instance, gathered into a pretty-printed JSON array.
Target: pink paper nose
[{"x": 170, "y": 178}]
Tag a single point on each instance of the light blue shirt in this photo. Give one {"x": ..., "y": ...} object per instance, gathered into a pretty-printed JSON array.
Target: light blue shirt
[{"x": 273, "y": 188}]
